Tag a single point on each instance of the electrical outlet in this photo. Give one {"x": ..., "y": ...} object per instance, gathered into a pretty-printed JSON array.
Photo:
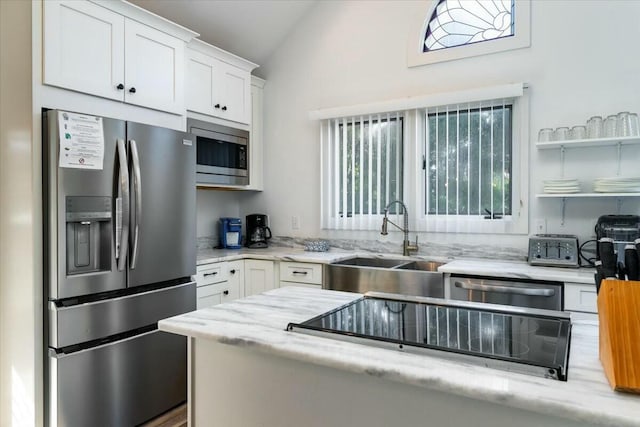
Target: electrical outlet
[
  {"x": 295, "y": 222},
  {"x": 540, "y": 226}
]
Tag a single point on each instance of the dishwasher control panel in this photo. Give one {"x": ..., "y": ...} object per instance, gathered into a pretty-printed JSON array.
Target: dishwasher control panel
[{"x": 554, "y": 250}]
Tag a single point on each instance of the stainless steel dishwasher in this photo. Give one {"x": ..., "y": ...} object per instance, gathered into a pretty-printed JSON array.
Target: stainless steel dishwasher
[{"x": 514, "y": 292}]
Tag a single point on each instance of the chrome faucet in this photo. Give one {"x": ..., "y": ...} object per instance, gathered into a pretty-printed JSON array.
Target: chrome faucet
[{"x": 407, "y": 247}]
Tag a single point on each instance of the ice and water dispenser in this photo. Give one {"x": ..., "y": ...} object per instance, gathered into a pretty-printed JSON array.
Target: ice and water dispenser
[{"x": 89, "y": 234}]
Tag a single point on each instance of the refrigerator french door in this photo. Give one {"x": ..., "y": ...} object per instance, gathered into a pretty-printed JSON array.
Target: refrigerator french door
[{"x": 119, "y": 254}]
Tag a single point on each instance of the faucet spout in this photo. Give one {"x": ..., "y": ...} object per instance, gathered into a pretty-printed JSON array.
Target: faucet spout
[{"x": 407, "y": 247}]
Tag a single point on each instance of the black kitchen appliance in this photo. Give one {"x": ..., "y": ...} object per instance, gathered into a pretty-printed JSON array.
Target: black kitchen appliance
[
  {"x": 617, "y": 254},
  {"x": 258, "y": 232},
  {"x": 529, "y": 341}
]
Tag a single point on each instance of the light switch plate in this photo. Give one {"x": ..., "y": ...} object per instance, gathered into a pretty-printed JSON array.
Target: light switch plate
[{"x": 295, "y": 222}]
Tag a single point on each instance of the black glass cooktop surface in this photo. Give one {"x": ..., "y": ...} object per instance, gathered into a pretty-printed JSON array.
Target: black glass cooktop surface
[{"x": 515, "y": 339}]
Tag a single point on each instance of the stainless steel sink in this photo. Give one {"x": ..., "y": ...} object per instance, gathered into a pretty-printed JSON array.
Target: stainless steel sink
[
  {"x": 385, "y": 275},
  {"x": 372, "y": 262},
  {"x": 421, "y": 265}
]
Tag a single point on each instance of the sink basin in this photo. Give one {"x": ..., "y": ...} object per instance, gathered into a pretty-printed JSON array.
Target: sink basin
[
  {"x": 372, "y": 262},
  {"x": 398, "y": 276},
  {"x": 421, "y": 265}
]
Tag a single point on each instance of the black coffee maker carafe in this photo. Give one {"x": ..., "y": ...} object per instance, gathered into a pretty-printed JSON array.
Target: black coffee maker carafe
[{"x": 257, "y": 231}]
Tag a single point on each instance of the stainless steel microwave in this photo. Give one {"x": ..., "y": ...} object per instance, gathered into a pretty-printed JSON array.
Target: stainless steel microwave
[{"x": 222, "y": 153}]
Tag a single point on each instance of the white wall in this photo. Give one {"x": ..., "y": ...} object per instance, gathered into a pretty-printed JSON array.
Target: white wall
[
  {"x": 582, "y": 62},
  {"x": 20, "y": 296},
  {"x": 214, "y": 204}
]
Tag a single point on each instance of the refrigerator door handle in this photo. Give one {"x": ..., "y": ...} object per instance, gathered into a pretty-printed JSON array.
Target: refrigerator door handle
[
  {"x": 137, "y": 189},
  {"x": 123, "y": 213}
]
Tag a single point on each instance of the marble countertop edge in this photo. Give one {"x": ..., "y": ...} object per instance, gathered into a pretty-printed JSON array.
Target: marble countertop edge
[
  {"x": 434, "y": 382},
  {"x": 225, "y": 324}
]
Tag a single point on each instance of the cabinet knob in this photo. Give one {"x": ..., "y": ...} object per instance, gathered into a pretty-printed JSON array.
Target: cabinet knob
[
  {"x": 225, "y": 292},
  {"x": 216, "y": 106},
  {"x": 232, "y": 271},
  {"x": 120, "y": 86},
  {"x": 132, "y": 90},
  {"x": 224, "y": 108}
]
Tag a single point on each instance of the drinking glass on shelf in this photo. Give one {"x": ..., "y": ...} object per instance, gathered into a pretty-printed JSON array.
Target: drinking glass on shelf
[
  {"x": 594, "y": 127},
  {"x": 611, "y": 126},
  {"x": 545, "y": 135},
  {"x": 561, "y": 134},
  {"x": 634, "y": 125},
  {"x": 623, "y": 124},
  {"x": 578, "y": 132}
]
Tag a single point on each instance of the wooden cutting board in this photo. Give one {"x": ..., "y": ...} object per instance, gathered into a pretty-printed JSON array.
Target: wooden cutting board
[{"x": 619, "y": 316}]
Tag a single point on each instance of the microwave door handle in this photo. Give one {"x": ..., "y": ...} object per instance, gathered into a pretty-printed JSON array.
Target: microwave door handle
[
  {"x": 137, "y": 191},
  {"x": 123, "y": 213},
  {"x": 539, "y": 292}
]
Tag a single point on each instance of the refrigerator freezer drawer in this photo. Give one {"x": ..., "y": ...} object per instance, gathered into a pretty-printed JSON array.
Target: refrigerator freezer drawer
[
  {"x": 123, "y": 383},
  {"x": 86, "y": 322}
]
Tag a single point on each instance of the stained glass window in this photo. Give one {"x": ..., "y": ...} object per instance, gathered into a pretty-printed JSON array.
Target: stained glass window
[{"x": 461, "y": 22}]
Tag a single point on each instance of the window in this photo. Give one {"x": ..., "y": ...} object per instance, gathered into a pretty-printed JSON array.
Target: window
[
  {"x": 455, "y": 29},
  {"x": 362, "y": 174},
  {"x": 475, "y": 167},
  {"x": 468, "y": 162},
  {"x": 457, "y": 23},
  {"x": 458, "y": 160}
]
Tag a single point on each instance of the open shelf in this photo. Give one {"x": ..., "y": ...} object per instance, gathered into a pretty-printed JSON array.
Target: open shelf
[
  {"x": 592, "y": 142},
  {"x": 585, "y": 195}
]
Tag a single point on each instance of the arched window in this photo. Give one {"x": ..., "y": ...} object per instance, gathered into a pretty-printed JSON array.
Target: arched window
[
  {"x": 456, "y": 29},
  {"x": 461, "y": 22}
]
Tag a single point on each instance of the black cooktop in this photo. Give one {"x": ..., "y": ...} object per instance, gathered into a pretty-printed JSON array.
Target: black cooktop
[{"x": 514, "y": 339}]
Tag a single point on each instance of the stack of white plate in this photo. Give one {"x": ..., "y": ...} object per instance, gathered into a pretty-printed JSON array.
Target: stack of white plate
[
  {"x": 617, "y": 185},
  {"x": 561, "y": 186}
]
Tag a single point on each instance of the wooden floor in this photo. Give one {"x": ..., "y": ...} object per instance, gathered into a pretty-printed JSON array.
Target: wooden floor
[{"x": 175, "y": 418}]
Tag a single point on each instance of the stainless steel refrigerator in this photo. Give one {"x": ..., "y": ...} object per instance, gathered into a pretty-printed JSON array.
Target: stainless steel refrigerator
[{"x": 119, "y": 253}]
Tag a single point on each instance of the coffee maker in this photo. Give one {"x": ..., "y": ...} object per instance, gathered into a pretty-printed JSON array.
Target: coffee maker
[
  {"x": 257, "y": 231},
  {"x": 230, "y": 233}
]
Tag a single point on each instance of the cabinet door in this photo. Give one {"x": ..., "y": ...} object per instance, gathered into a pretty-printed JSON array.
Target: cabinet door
[
  {"x": 154, "y": 68},
  {"x": 217, "y": 293},
  {"x": 201, "y": 90},
  {"x": 235, "y": 273},
  {"x": 83, "y": 48},
  {"x": 258, "y": 276},
  {"x": 235, "y": 88},
  {"x": 256, "y": 141}
]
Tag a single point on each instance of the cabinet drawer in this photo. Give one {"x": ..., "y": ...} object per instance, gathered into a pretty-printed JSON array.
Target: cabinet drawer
[
  {"x": 217, "y": 293},
  {"x": 580, "y": 297},
  {"x": 301, "y": 272},
  {"x": 211, "y": 273}
]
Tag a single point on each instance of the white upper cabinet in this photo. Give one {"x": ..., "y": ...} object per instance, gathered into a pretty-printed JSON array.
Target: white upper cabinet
[
  {"x": 154, "y": 68},
  {"x": 106, "y": 48},
  {"x": 218, "y": 83},
  {"x": 84, "y": 48}
]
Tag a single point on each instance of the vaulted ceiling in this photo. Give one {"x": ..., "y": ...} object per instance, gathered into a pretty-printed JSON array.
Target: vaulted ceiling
[{"x": 252, "y": 29}]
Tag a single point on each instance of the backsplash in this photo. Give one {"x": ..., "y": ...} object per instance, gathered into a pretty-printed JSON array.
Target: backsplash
[{"x": 375, "y": 246}]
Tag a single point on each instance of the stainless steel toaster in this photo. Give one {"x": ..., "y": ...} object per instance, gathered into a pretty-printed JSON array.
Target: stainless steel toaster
[{"x": 554, "y": 250}]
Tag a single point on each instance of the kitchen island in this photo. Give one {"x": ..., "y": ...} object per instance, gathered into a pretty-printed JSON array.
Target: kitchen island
[{"x": 246, "y": 370}]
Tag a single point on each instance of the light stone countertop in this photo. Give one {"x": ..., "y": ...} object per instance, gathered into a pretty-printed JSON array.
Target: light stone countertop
[
  {"x": 519, "y": 270},
  {"x": 258, "y": 323},
  {"x": 482, "y": 267}
]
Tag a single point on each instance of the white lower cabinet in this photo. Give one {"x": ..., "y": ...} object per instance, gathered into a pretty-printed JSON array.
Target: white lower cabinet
[
  {"x": 258, "y": 276},
  {"x": 301, "y": 274},
  {"x": 580, "y": 297},
  {"x": 219, "y": 282}
]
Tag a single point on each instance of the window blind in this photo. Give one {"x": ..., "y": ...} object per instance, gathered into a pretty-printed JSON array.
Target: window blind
[
  {"x": 467, "y": 165},
  {"x": 361, "y": 169}
]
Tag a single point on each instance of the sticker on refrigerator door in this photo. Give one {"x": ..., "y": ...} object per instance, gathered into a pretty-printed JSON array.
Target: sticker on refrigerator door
[{"x": 81, "y": 141}]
